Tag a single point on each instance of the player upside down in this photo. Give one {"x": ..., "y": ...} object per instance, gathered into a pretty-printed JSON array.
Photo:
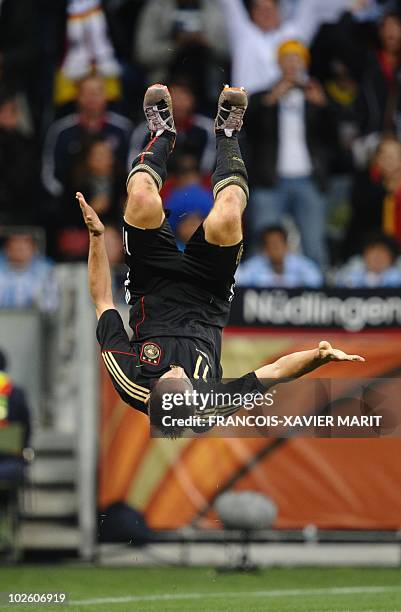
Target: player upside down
[{"x": 180, "y": 302}]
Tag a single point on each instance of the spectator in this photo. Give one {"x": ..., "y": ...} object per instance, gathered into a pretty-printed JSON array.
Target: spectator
[
  {"x": 88, "y": 44},
  {"x": 276, "y": 266},
  {"x": 342, "y": 92},
  {"x": 291, "y": 131},
  {"x": 67, "y": 137},
  {"x": 376, "y": 196},
  {"x": 98, "y": 173},
  {"x": 101, "y": 178},
  {"x": 13, "y": 409},
  {"x": 374, "y": 68},
  {"x": 195, "y": 133},
  {"x": 18, "y": 166},
  {"x": 255, "y": 36},
  {"x": 189, "y": 203},
  {"x": 181, "y": 38},
  {"x": 375, "y": 268},
  {"x": 86, "y": 49},
  {"x": 65, "y": 145},
  {"x": 122, "y": 17},
  {"x": 326, "y": 48},
  {"x": 26, "y": 277},
  {"x": 14, "y": 412}
]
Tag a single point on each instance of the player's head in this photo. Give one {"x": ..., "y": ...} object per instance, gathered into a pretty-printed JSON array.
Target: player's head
[{"x": 167, "y": 399}]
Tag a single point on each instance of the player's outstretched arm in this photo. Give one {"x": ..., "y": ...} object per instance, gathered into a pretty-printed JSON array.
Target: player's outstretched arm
[
  {"x": 298, "y": 364},
  {"x": 98, "y": 262}
]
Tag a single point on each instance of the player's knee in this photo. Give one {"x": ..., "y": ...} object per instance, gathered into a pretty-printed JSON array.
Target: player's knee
[
  {"x": 144, "y": 204},
  {"x": 142, "y": 199},
  {"x": 228, "y": 224},
  {"x": 233, "y": 198},
  {"x": 142, "y": 189}
]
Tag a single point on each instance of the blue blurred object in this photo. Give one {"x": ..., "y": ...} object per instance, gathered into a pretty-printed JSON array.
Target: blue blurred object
[{"x": 188, "y": 200}]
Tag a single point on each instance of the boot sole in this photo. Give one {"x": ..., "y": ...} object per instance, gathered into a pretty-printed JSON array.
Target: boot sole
[
  {"x": 235, "y": 96},
  {"x": 155, "y": 94}
]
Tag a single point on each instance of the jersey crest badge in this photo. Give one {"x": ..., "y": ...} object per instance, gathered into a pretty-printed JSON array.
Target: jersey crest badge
[{"x": 150, "y": 353}]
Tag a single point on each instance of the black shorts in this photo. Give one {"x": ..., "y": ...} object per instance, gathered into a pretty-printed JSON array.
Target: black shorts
[{"x": 153, "y": 254}]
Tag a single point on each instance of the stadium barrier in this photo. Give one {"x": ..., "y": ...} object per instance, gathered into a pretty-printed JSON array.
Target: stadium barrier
[
  {"x": 22, "y": 339},
  {"x": 54, "y": 357}
]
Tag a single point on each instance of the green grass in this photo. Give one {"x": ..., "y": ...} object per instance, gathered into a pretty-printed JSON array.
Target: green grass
[{"x": 180, "y": 589}]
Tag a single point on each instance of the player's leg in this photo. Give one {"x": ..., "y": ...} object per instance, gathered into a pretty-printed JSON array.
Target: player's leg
[
  {"x": 214, "y": 251},
  {"x": 150, "y": 247},
  {"x": 223, "y": 225},
  {"x": 144, "y": 206}
]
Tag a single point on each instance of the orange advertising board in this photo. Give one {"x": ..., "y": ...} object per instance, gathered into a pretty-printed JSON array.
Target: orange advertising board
[{"x": 331, "y": 483}]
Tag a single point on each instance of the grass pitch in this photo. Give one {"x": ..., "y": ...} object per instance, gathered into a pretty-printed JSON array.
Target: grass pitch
[{"x": 191, "y": 589}]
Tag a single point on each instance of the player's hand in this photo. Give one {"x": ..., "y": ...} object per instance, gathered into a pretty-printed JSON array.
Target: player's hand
[
  {"x": 328, "y": 353},
  {"x": 92, "y": 221}
]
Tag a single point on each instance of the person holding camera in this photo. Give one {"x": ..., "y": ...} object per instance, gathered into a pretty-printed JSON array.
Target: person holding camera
[{"x": 291, "y": 131}]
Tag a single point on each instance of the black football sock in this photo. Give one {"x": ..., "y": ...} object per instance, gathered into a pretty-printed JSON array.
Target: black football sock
[
  {"x": 230, "y": 168},
  {"x": 153, "y": 159}
]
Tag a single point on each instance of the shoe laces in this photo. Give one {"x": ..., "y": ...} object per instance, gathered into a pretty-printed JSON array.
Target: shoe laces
[
  {"x": 233, "y": 120},
  {"x": 155, "y": 118}
]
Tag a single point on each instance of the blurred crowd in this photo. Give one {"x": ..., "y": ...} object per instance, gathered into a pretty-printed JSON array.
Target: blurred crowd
[{"x": 322, "y": 136}]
